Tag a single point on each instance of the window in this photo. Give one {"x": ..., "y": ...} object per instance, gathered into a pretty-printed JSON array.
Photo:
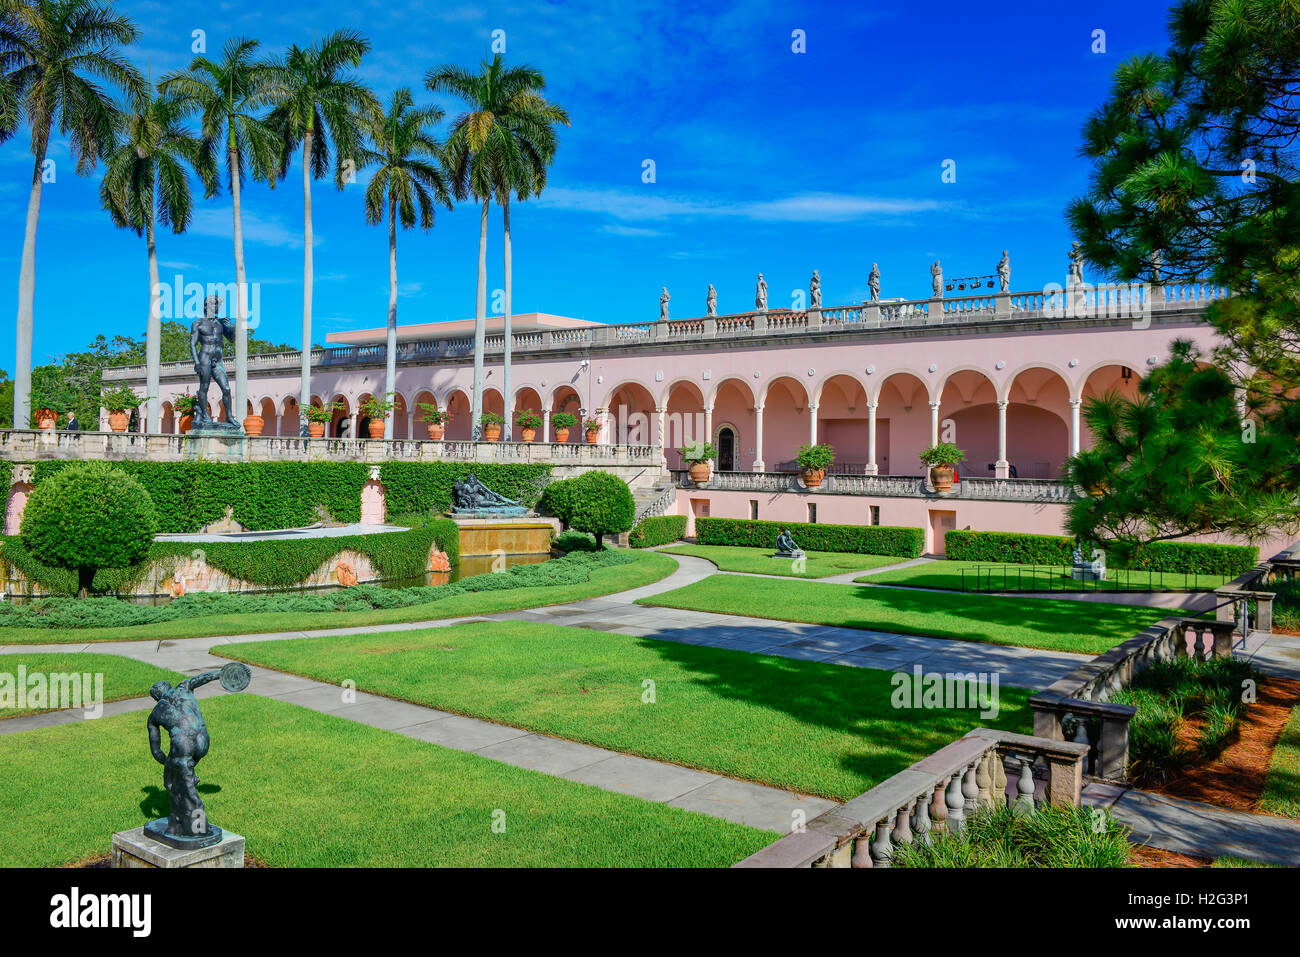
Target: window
[
  {"x": 753, "y": 509},
  {"x": 812, "y": 514},
  {"x": 875, "y": 515}
]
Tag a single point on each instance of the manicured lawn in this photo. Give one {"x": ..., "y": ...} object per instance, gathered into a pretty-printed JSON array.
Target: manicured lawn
[
  {"x": 121, "y": 678},
  {"x": 733, "y": 558},
  {"x": 1282, "y": 786},
  {"x": 649, "y": 567},
  {"x": 982, "y": 576},
  {"x": 312, "y": 790},
  {"x": 1057, "y": 624},
  {"x": 802, "y": 725}
]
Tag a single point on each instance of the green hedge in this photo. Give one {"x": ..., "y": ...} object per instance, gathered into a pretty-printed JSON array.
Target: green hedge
[
  {"x": 63, "y": 612},
  {"x": 274, "y": 563},
  {"x": 427, "y": 486},
  {"x": 261, "y": 495},
  {"x": 1016, "y": 548},
  {"x": 865, "y": 539},
  {"x": 658, "y": 530}
]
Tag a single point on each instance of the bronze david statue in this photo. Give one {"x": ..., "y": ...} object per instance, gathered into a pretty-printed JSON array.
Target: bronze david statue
[{"x": 206, "y": 335}]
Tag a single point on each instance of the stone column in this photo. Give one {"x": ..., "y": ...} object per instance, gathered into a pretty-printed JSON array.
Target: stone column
[
  {"x": 708, "y": 429},
  {"x": 812, "y": 424},
  {"x": 603, "y": 416},
  {"x": 546, "y": 426},
  {"x": 1002, "y": 469},
  {"x": 410, "y": 425},
  {"x": 1074, "y": 426},
  {"x": 661, "y": 415},
  {"x": 872, "y": 467},
  {"x": 355, "y": 430},
  {"x": 934, "y": 423},
  {"x": 759, "y": 464}
]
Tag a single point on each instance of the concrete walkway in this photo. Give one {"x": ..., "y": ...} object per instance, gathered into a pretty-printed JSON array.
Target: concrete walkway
[{"x": 1198, "y": 830}]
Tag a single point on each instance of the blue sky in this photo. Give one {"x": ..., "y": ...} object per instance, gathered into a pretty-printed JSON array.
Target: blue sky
[{"x": 765, "y": 159}]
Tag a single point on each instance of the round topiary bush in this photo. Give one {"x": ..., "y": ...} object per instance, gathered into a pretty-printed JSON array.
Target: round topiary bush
[
  {"x": 600, "y": 503},
  {"x": 88, "y": 516}
]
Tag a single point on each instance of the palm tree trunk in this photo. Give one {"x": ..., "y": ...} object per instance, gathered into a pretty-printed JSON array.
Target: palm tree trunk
[
  {"x": 308, "y": 277},
  {"x": 27, "y": 294},
  {"x": 240, "y": 399},
  {"x": 505, "y": 385},
  {"x": 390, "y": 356},
  {"x": 480, "y": 322},
  {"x": 153, "y": 331}
]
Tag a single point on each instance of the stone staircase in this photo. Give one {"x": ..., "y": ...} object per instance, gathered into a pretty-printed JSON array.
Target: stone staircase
[{"x": 655, "y": 500}]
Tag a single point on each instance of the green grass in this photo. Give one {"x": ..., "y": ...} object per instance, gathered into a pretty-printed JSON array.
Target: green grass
[
  {"x": 802, "y": 725},
  {"x": 312, "y": 790},
  {"x": 947, "y": 575},
  {"x": 1056, "y": 624},
  {"x": 1282, "y": 786},
  {"x": 1006, "y": 837},
  {"x": 735, "y": 558},
  {"x": 122, "y": 677},
  {"x": 649, "y": 567}
]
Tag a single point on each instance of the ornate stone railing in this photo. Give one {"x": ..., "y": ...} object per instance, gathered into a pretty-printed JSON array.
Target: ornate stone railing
[
  {"x": 888, "y": 486},
  {"x": 935, "y": 795},
  {"x": 1087, "y": 302},
  {"x": 28, "y": 445},
  {"x": 660, "y": 504},
  {"x": 1245, "y": 604}
]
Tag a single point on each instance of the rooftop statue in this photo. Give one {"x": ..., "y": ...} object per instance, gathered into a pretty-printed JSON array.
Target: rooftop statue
[
  {"x": 873, "y": 282},
  {"x": 471, "y": 497},
  {"x": 936, "y": 278},
  {"x": 760, "y": 295},
  {"x": 663, "y": 305},
  {"x": 711, "y": 303},
  {"x": 1076, "y": 264},
  {"x": 815, "y": 291},
  {"x": 1004, "y": 272},
  {"x": 206, "y": 334}
]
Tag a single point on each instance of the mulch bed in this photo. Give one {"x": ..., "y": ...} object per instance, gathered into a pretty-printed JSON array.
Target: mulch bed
[
  {"x": 103, "y": 860},
  {"x": 1153, "y": 857},
  {"x": 1235, "y": 780}
]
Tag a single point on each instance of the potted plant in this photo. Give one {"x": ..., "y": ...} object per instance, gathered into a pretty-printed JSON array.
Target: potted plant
[
  {"x": 698, "y": 455},
  {"x": 185, "y": 404},
  {"x": 119, "y": 402},
  {"x": 561, "y": 422},
  {"x": 377, "y": 410},
  {"x": 254, "y": 424},
  {"x": 592, "y": 427},
  {"x": 492, "y": 422},
  {"x": 319, "y": 416},
  {"x": 529, "y": 422},
  {"x": 942, "y": 459},
  {"x": 814, "y": 460},
  {"x": 46, "y": 419},
  {"x": 435, "y": 420}
]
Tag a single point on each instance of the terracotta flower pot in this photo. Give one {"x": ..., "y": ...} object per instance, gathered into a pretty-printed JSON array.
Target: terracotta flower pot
[
  {"x": 528, "y": 434},
  {"x": 492, "y": 433},
  {"x": 700, "y": 472},
  {"x": 376, "y": 428},
  {"x": 118, "y": 421},
  {"x": 941, "y": 478},
  {"x": 46, "y": 419},
  {"x": 186, "y": 423},
  {"x": 316, "y": 429},
  {"x": 561, "y": 435},
  {"x": 593, "y": 436},
  {"x": 436, "y": 432},
  {"x": 813, "y": 478},
  {"x": 254, "y": 424}
]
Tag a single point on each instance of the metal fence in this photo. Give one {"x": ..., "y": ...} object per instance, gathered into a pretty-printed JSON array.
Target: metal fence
[{"x": 1048, "y": 578}]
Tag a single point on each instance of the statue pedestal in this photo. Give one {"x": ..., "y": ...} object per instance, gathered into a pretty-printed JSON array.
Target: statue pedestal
[{"x": 135, "y": 848}]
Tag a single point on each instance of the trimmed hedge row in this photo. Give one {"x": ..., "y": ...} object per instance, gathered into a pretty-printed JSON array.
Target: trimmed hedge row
[
  {"x": 1193, "y": 558},
  {"x": 114, "y": 613},
  {"x": 890, "y": 540},
  {"x": 657, "y": 530},
  {"x": 275, "y": 563},
  {"x": 260, "y": 495},
  {"x": 427, "y": 486}
]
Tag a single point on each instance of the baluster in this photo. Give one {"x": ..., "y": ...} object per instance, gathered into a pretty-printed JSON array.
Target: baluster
[
  {"x": 861, "y": 851},
  {"x": 921, "y": 820},
  {"x": 984, "y": 780},
  {"x": 956, "y": 804},
  {"x": 902, "y": 833},
  {"x": 970, "y": 791},
  {"x": 939, "y": 810},
  {"x": 1025, "y": 786},
  {"x": 881, "y": 849},
  {"x": 1201, "y": 650},
  {"x": 999, "y": 779}
]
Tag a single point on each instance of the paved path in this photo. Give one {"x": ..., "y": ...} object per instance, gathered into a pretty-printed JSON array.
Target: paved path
[{"x": 1199, "y": 830}]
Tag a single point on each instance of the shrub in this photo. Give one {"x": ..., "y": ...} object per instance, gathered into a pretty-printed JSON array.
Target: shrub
[
  {"x": 423, "y": 487},
  {"x": 120, "y": 398},
  {"x": 1196, "y": 558},
  {"x": 698, "y": 452},
  {"x": 576, "y": 542},
  {"x": 865, "y": 539},
  {"x": 492, "y": 418},
  {"x": 1024, "y": 549},
  {"x": 944, "y": 453},
  {"x": 377, "y": 408},
  {"x": 563, "y": 420},
  {"x": 322, "y": 414},
  {"x": 89, "y": 516},
  {"x": 557, "y": 500},
  {"x": 601, "y": 503},
  {"x": 815, "y": 457},
  {"x": 528, "y": 419},
  {"x": 657, "y": 530},
  {"x": 1053, "y": 836}
]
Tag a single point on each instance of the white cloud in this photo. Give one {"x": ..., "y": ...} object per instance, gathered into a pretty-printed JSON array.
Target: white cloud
[
  {"x": 638, "y": 205},
  {"x": 258, "y": 229}
]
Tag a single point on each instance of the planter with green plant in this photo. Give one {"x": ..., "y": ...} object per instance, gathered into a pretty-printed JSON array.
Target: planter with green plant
[
  {"x": 492, "y": 422},
  {"x": 943, "y": 460},
  {"x": 592, "y": 427},
  {"x": 377, "y": 410},
  {"x": 185, "y": 405},
  {"x": 561, "y": 423},
  {"x": 119, "y": 402},
  {"x": 529, "y": 422},
  {"x": 320, "y": 416},
  {"x": 435, "y": 420},
  {"x": 698, "y": 455},
  {"x": 813, "y": 461}
]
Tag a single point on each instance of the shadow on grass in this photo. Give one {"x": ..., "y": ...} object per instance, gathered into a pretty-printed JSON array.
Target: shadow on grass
[{"x": 157, "y": 803}]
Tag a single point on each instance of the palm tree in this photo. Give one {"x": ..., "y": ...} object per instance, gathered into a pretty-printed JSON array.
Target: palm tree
[
  {"x": 145, "y": 180},
  {"x": 319, "y": 102},
  {"x": 503, "y": 144},
  {"x": 227, "y": 94},
  {"x": 52, "y": 53},
  {"x": 409, "y": 177}
]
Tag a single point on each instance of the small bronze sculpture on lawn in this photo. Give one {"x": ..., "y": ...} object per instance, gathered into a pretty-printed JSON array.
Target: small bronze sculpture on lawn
[
  {"x": 178, "y": 712},
  {"x": 206, "y": 334},
  {"x": 785, "y": 545}
]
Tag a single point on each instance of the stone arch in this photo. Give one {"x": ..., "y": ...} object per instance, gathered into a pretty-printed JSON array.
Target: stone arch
[
  {"x": 631, "y": 418},
  {"x": 902, "y": 400},
  {"x": 786, "y": 421},
  {"x": 733, "y": 407},
  {"x": 421, "y": 428},
  {"x": 565, "y": 398},
  {"x": 457, "y": 402},
  {"x": 1038, "y": 421},
  {"x": 968, "y": 416},
  {"x": 684, "y": 419}
]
